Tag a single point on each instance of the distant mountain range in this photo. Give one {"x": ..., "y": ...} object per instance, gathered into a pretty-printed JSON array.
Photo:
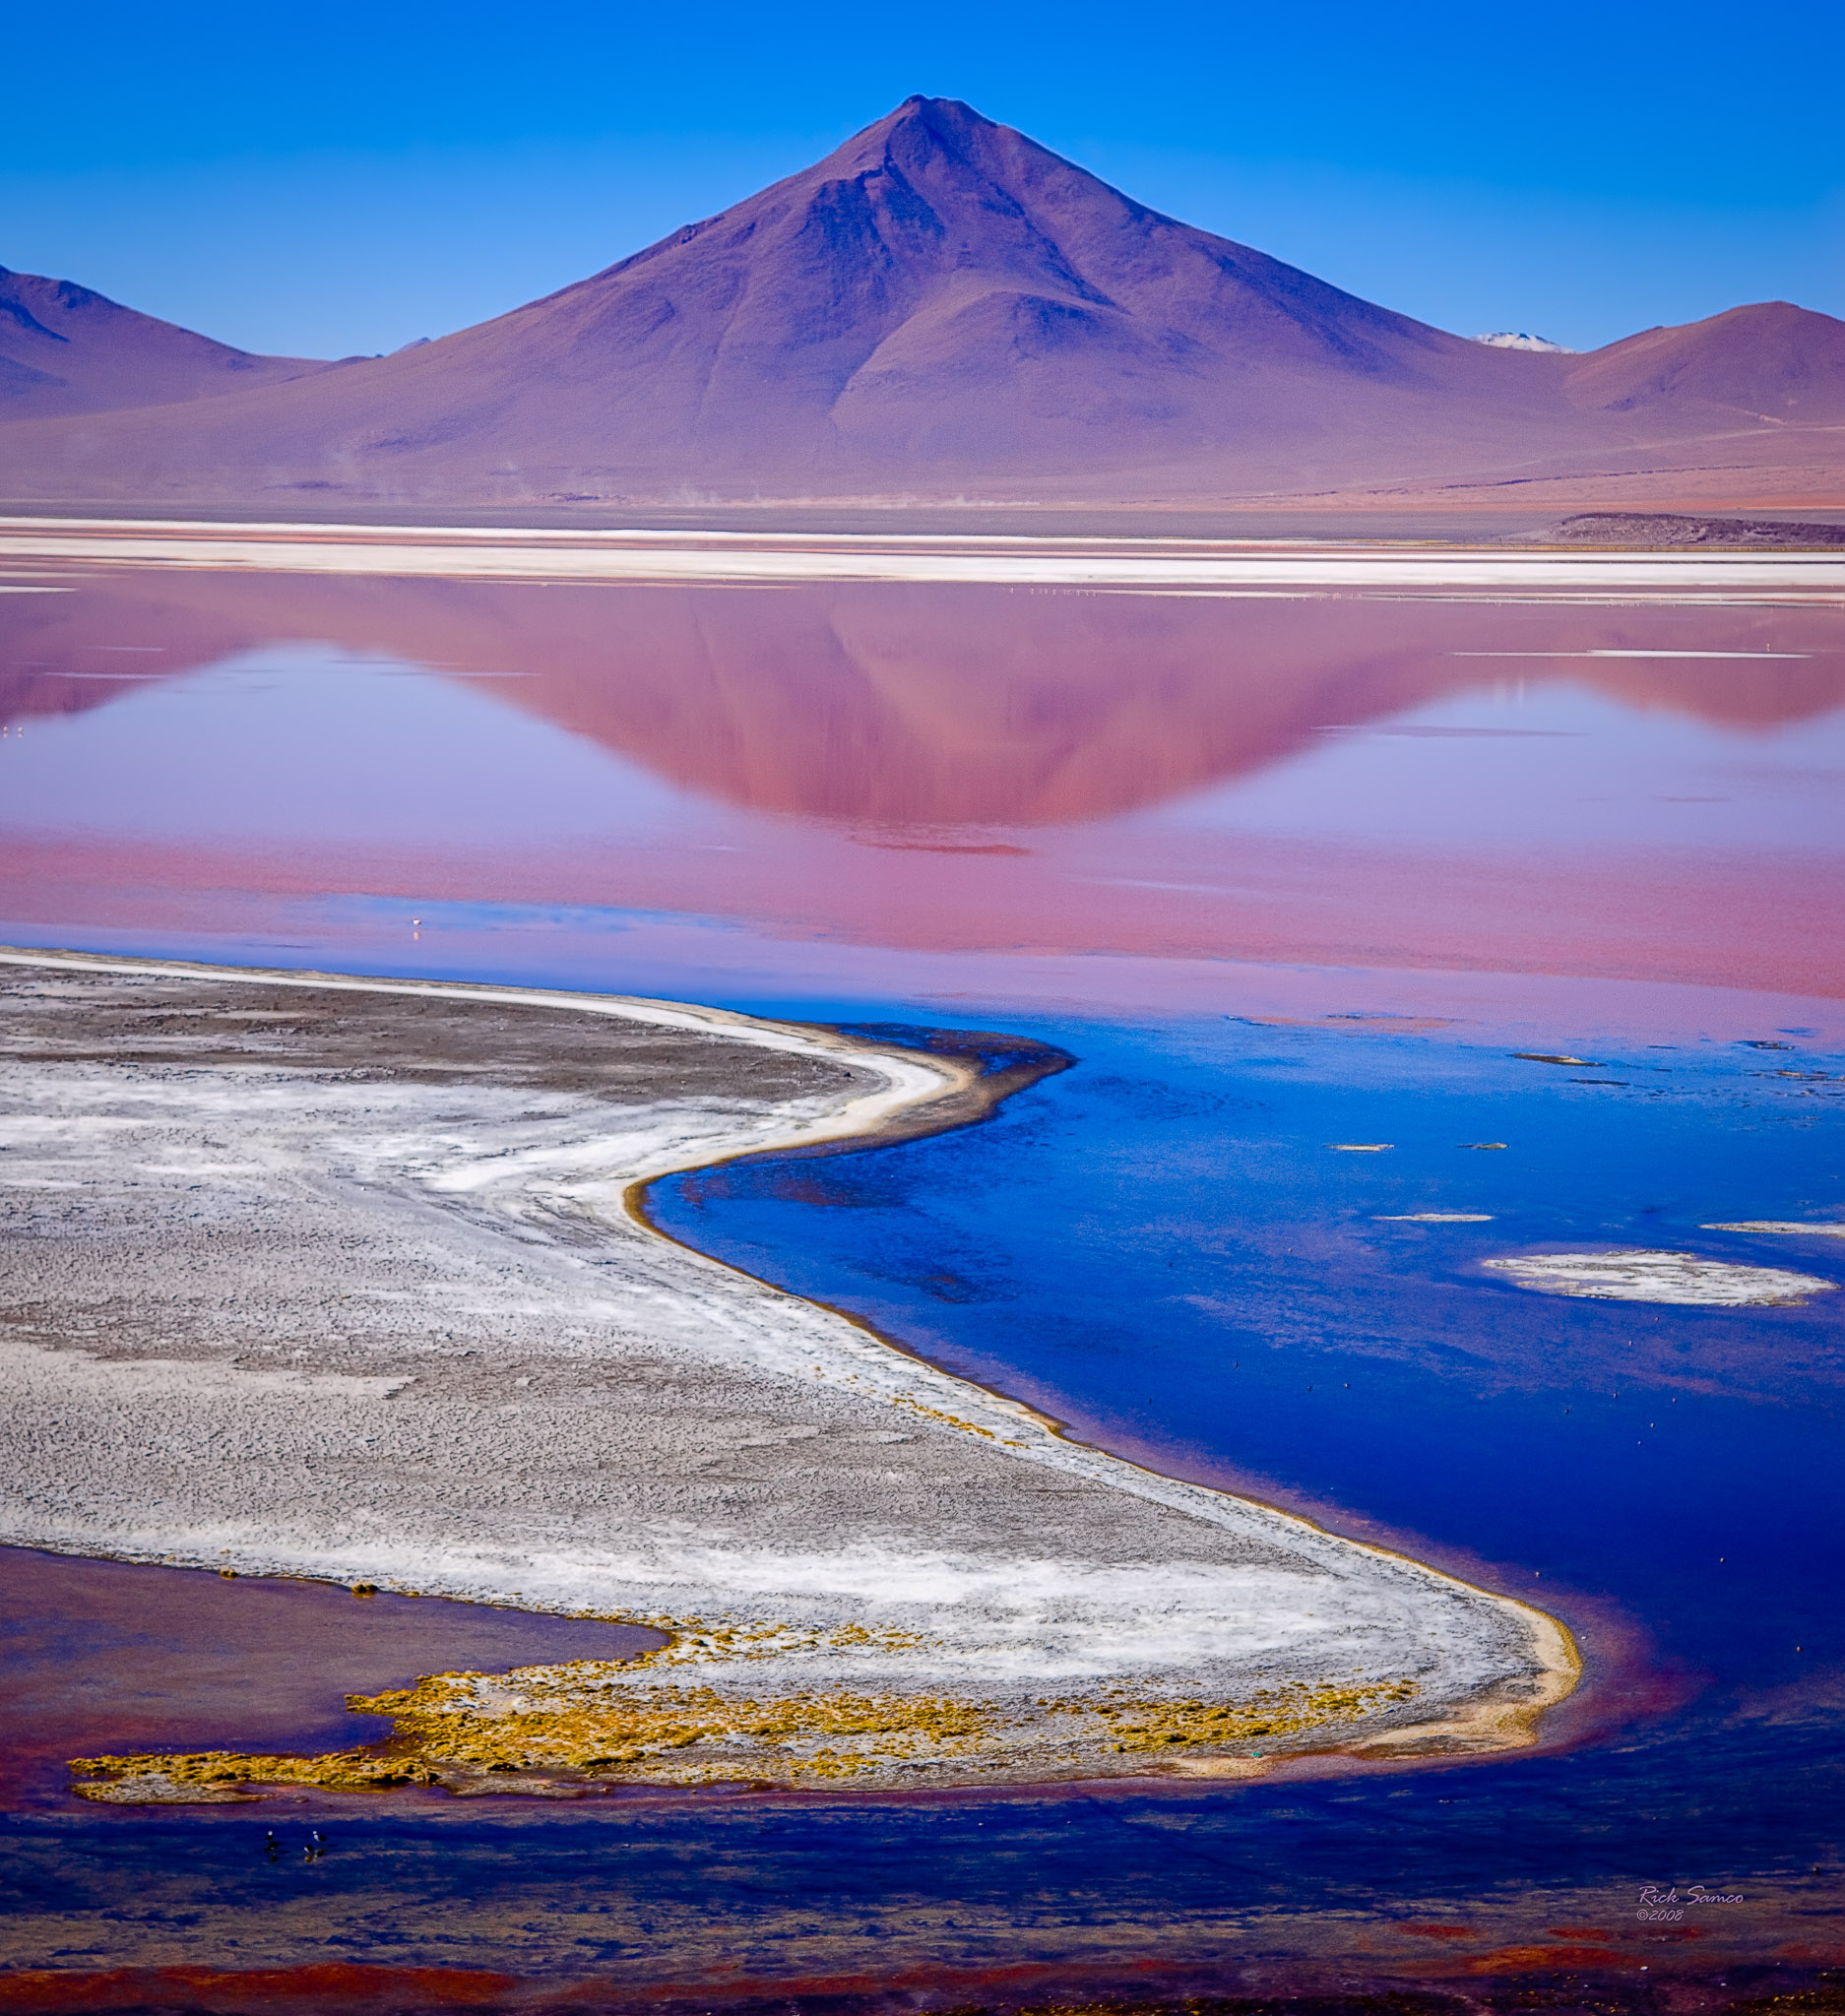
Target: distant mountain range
[{"x": 940, "y": 310}]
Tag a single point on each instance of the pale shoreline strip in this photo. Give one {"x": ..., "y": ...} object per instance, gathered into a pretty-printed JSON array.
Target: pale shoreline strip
[{"x": 1153, "y": 566}]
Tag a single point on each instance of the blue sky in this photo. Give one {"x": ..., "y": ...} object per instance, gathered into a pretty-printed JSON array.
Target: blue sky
[{"x": 329, "y": 181}]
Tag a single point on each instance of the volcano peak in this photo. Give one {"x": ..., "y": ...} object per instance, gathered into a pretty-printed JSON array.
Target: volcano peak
[{"x": 942, "y": 308}]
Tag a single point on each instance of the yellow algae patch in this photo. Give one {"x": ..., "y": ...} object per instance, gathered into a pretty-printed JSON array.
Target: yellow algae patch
[
  {"x": 936, "y": 1413},
  {"x": 587, "y": 1717},
  {"x": 152, "y": 1778},
  {"x": 1151, "y": 1726},
  {"x": 539, "y": 1729}
]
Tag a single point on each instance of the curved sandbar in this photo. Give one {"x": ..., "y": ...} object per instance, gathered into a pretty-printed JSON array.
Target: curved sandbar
[{"x": 344, "y": 1278}]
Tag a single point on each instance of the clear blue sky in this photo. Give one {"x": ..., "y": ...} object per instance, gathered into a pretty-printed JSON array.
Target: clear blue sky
[{"x": 333, "y": 180}]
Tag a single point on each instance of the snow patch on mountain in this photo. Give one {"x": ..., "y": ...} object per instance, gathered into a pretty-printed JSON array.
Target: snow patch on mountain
[{"x": 1518, "y": 340}]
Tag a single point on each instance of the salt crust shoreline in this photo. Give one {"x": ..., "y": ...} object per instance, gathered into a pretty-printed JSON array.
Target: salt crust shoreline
[
  {"x": 872, "y": 1572},
  {"x": 1159, "y": 566}
]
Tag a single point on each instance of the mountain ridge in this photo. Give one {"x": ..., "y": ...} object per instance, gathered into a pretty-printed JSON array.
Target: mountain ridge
[
  {"x": 942, "y": 308},
  {"x": 65, "y": 349}
]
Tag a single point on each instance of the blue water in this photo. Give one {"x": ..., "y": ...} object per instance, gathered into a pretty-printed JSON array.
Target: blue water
[{"x": 1159, "y": 1246}]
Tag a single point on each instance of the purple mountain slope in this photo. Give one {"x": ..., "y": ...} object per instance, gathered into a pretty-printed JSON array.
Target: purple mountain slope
[
  {"x": 940, "y": 308},
  {"x": 64, "y": 350}
]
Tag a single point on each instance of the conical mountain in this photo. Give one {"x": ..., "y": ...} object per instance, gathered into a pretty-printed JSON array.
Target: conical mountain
[
  {"x": 939, "y": 289},
  {"x": 939, "y": 310}
]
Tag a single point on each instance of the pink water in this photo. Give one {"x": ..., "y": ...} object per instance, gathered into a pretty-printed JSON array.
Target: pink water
[{"x": 970, "y": 777}]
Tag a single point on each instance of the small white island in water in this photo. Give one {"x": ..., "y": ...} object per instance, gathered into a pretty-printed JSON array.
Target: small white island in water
[
  {"x": 346, "y": 1279},
  {"x": 1630, "y": 1274}
]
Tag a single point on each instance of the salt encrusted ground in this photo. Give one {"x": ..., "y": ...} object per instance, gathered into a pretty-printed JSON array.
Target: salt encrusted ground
[
  {"x": 1630, "y": 1274},
  {"x": 1262, "y": 566},
  {"x": 342, "y": 1279},
  {"x": 1792, "y": 1227}
]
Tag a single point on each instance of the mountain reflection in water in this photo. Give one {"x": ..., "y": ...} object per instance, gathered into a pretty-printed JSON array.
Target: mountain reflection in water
[
  {"x": 1604, "y": 786},
  {"x": 937, "y": 705}
]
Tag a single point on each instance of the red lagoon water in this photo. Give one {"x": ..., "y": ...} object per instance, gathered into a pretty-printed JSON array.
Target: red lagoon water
[{"x": 964, "y": 774}]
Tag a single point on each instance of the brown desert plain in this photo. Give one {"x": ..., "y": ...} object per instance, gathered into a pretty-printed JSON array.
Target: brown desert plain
[{"x": 940, "y": 312}]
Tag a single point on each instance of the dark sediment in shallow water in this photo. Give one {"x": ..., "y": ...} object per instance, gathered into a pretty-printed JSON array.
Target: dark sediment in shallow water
[{"x": 1671, "y": 528}]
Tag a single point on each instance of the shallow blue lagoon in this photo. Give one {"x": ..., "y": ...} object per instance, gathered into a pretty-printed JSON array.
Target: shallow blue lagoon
[
  {"x": 1164, "y": 1247},
  {"x": 1191, "y": 1246}
]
